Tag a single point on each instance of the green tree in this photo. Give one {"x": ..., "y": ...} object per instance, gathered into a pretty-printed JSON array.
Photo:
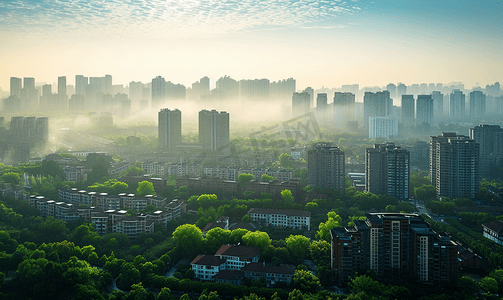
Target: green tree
[
  {"x": 266, "y": 178},
  {"x": 305, "y": 281},
  {"x": 164, "y": 294},
  {"x": 320, "y": 252},
  {"x": 311, "y": 206},
  {"x": 286, "y": 196},
  {"x": 188, "y": 239},
  {"x": 334, "y": 220},
  {"x": 145, "y": 188},
  {"x": 298, "y": 245},
  {"x": 246, "y": 219},
  {"x": 243, "y": 178},
  {"x": 217, "y": 237},
  {"x": 489, "y": 285},
  {"x": 12, "y": 178},
  {"x": 425, "y": 192},
  {"x": 285, "y": 160},
  {"x": 257, "y": 239}
]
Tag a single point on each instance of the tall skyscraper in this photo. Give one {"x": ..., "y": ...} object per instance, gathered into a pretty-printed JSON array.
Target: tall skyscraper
[
  {"x": 408, "y": 108},
  {"x": 457, "y": 104},
  {"x": 424, "y": 109},
  {"x": 62, "y": 87},
  {"x": 300, "y": 104},
  {"x": 326, "y": 167},
  {"x": 15, "y": 87},
  {"x": 158, "y": 91},
  {"x": 391, "y": 88},
  {"x": 169, "y": 128},
  {"x": 377, "y": 104},
  {"x": 29, "y": 94},
  {"x": 477, "y": 105},
  {"x": 401, "y": 89},
  {"x": 454, "y": 165},
  {"x": 322, "y": 108},
  {"x": 343, "y": 109},
  {"x": 387, "y": 170},
  {"x": 384, "y": 127},
  {"x": 438, "y": 106},
  {"x": 490, "y": 139},
  {"x": 254, "y": 90},
  {"x": 310, "y": 91},
  {"x": 81, "y": 83},
  {"x": 214, "y": 130}
]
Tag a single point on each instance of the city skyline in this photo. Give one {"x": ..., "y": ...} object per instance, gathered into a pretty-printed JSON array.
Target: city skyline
[{"x": 320, "y": 43}]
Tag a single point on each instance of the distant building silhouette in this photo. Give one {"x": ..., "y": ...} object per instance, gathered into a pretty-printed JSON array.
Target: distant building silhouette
[
  {"x": 424, "y": 110},
  {"x": 377, "y": 104},
  {"x": 457, "y": 104},
  {"x": 490, "y": 139},
  {"x": 384, "y": 127},
  {"x": 169, "y": 128},
  {"x": 408, "y": 109},
  {"x": 300, "y": 104},
  {"x": 477, "y": 105}
]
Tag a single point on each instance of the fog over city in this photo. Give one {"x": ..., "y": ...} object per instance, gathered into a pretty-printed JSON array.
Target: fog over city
[{"x": 251, "y": 149}]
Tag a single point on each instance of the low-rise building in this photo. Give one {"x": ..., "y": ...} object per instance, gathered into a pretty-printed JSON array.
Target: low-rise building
[
  {"x": 493, "y": 231},
  {"x": 291, "y": 218}
]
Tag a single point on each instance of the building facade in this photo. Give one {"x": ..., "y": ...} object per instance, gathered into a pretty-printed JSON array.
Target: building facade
[
  {"x": 454, "y": 165},
  {"x": 387, "y": 170},
  {"x": 398, "y": 247},
  {"x": 325, "y": 167},
  {"x": 169, "y": 128},
  {"x": 214, "y": 130}
]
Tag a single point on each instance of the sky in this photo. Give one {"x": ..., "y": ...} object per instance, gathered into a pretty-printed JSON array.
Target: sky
[{"x": 319, "y": 43}]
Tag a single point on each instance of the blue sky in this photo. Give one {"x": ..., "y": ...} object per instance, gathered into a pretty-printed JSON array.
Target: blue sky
[{"x": 323, "y": 42}]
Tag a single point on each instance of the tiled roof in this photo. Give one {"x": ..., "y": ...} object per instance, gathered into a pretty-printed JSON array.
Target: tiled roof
[
  {"x": 228, "y": 275},
  {"x": 207, "y": 260},
  {"x": 274, "y": 211},
  {"x": 260, "y": 267},
  {"x": 239, "y": 251},
  {"x": 496, "y": 226}
]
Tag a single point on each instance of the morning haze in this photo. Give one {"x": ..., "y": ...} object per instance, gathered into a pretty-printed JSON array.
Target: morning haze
[{"x": 251, "y": 149}]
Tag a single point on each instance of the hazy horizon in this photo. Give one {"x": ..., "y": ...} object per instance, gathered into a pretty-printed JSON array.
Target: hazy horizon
[{"x": 319, "y": 43}]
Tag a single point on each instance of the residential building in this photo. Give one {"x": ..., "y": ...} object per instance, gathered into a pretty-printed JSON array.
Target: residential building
[
  {"x": 300, "y": 104},
  {"x": 169, "y": 128},
  {"x": 477, "y": 105},
  {"x": 398, "y": 247},
  {"x": 424, "y": 110},
  {"x": 325, "y": 167},
  {"x": 387, "y": 170},
  {"x": 490, "y": 139},
  {"x": 454, "y": 165},
  {"x": 384, "y": 127},
  {"x": 343, "y": 109},
  {"x": 378, "y": 104},
  {"x": 408, "y": 109},
  {"x": 493, "y": 231},
  {"x": 271, "y": 273},
  {"x": 214, "y": 130},
  {"x": 457, "y": 105},
  {"x": 438, "y": 106},
  {"x": 291, "y": 218}
]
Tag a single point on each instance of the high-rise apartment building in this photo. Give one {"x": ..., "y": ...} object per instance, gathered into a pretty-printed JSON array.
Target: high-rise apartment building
[
  {"x": 158, "y": 91},
  {"x": 300, "y": 104},
  {"x": 438, "y": 106},
  {"x": 322, "y": 108},
  {"x": 490, "y": 139},
  {"x": 343, "y": 108},
  {"x": 477, "y": 105},
  {"x": 401, "y": 89},
  {"x": 15, "y": 87},
  {"x": 424, "y": 110},
  {"x": 169, "y": 128},
  {"x": 457, "y": 104},
  {"x": 408, "y": 108},
  {"x": 81, "y": 83},
  {"x": 387, "y": 170},
  {"x": 254, "y": 90},
  {"x": 391, "y": 88},
  {"x": 384, "y": 127},
  {"x": 214, "y": 130},
  {"x": 325, "y": 167},
  {"x": 454, "y": 165},
  {"x": 62, "y": 87},
  {"x": 397, "y": 247},
  {"x": 377, "y": 104}
]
